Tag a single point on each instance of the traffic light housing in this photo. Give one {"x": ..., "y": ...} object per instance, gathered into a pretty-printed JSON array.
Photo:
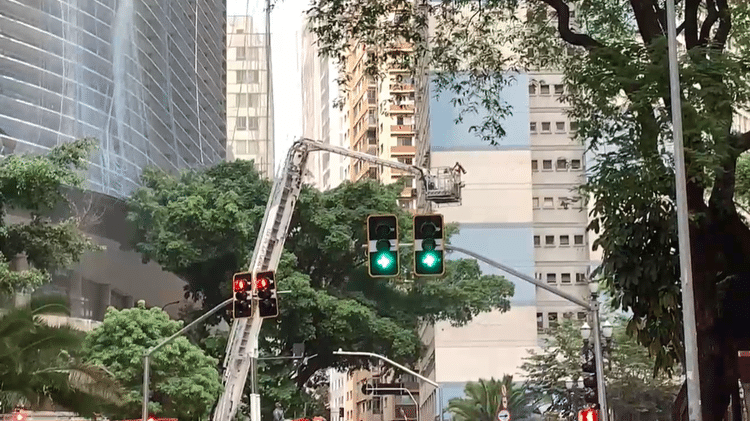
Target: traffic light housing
[
  {"x": 242, "y": 290},
  {"x": 382, "y": 245},
  {"x": 268, "y": 299},
  {"x": 429, "y": 236},
  {"x": 590, "y": 384}
]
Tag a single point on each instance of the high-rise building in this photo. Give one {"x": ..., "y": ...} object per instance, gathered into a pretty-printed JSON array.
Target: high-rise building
[
  {"x": 321, "y": 119},
  {"x": 249, "y": 95},
  {"x": 144, "y": 78},
  {"x": 380, "y": 120}
]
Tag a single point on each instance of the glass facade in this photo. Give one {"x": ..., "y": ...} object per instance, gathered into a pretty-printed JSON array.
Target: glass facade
[{"x": 146, "y": 78}]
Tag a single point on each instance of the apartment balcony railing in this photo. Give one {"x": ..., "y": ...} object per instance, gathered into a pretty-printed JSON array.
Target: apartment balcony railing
[
  {"x": 403, "y": 150},
  {"x": 403, "y": 128},
  {"x": 404, "y": 108},
  {"x": 401, "y": 87}
]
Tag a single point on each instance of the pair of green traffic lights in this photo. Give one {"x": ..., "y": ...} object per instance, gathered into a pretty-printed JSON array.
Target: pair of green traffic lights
[{"x": 382, "y": 243}]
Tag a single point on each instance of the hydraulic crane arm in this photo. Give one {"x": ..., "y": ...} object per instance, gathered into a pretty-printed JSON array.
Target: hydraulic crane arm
[{"x": 242, "y": 348}]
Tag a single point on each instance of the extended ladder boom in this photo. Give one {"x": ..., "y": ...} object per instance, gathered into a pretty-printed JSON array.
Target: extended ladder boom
[{"x": 242, "y": 348}]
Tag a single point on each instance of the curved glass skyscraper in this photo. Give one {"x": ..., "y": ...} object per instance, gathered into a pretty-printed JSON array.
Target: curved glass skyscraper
[{"x": 146, "y": 78}]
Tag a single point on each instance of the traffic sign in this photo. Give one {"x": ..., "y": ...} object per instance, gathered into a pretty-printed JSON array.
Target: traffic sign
[{"x": 503, "y": 415}]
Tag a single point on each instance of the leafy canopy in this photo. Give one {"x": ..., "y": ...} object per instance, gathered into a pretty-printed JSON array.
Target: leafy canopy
[
  {"x": 37, "y": 184},
  {"x": 633, "y": 387},
  {"x": 184, "y": 380},
  {"x": 203, "y": 225},
  {"x": 483, "y": 401},
  {"x": 39, "y": 365}
]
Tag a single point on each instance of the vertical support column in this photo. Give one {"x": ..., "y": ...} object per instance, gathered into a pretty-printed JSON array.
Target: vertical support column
[
  {"x": 105, "y": 297},
  {"x": 601, "y": 384},
  {"x": 75, "y": 294},
  {"x": 146, "y": 369}
]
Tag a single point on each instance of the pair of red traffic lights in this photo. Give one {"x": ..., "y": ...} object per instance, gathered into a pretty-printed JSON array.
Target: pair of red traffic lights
[{"x": 264, "y": 287}]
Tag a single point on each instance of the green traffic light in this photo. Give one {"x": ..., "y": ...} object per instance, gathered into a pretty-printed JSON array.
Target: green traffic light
[
  {"x": 429, "y": 263},
  {"x": 383, "y": 263}
]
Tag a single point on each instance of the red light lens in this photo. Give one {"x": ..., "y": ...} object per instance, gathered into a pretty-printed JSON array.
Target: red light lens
[
  {"x": 261, "y": 283},
  {"x": 239, "y": 285}
]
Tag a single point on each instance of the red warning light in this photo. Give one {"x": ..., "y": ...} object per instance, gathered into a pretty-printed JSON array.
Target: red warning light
[
  {"x": 239, "y": 285},
  {"x": 261, "y": 283}
]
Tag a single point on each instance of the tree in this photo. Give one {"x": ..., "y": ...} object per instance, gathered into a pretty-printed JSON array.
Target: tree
[
  {"x": 484, "y": 400},
  {"x": 37, "y": 185},
  {"x": 633, "y": 387},
  {"x": 203, "y": 225},
  {"x": 185, "y": 382},
  {"x": 615, "y": 64},
  {"x": 39, "y": 367}
]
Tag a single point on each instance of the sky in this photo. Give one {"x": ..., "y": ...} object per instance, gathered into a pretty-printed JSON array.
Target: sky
[{"x": 286, "y": 25}]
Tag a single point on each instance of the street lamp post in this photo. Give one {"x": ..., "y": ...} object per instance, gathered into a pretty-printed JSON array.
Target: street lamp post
[
  {"x": 601, "y": 387},
  {"x": 395, "y": 364}
]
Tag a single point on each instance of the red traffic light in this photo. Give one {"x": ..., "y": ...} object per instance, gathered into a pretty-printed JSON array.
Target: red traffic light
[
  {"x": 241, "y": 281},
  {"x": 264, "y": 281},
  {"x": 589, "y": 414},
  {"x": 261, "y": 283},
  {"x": 151, "y": 419}
]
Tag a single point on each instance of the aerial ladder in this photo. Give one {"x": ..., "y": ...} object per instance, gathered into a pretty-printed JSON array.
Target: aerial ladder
[{"x": 442, "y": 187}]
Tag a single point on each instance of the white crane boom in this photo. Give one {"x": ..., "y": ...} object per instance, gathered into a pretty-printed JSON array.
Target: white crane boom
[{"x": 242, "y": 348}]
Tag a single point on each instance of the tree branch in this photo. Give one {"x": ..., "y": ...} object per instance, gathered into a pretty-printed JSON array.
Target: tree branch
[
  {"x": 691, "y": 23},
  {"x": 647, "y": 19},
  {"x": 711, "y": 18},
  {"x": 725, "y": 25},
  {"x": 563, "y": 27},
  {"x": 743, "y": 142}
]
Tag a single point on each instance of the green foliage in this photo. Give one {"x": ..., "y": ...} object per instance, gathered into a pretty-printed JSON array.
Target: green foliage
[
  {"x": 39, "y": 366},
  {"x": 36, "y": 184},
  {"x": 333, "y": 302},
  {"x": 185, "y": 382},
  {"x": 632, "y": 385},
  {"x": 483, "y": 401}
]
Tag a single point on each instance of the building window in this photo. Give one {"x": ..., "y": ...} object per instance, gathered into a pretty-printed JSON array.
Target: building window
[
  {"x": 549, "y": 203},
  {"x": 551, "y": 278},
  {"x": 406, "y": 161},
  {"x": 560, "y": 126},
  {"x": 565, "y": 278},
  {"x": 580, "y": 278},
  {"x": 540, "y": 322},
  {"x": 371, "y": 96},
  {"x": 246, "y": 76},
  {"x": 562, "y": 164},
  {"x": 535, "y": 202},
  {"x": 568, "y": 315},
  {"x": 544, "y": 89},
  {"x": 247, "y": 100},
  {"x": 532, "y": 89},
  {"x": 537, "y": 241},
  {"x": 404, "y": 141},
  {"x": 575, "y": 164},
  {"x": 547, "y": 165},
  {"x": 377, "y": 407},
  {"x": 565, "y": 241},
  {"x": 546, "y": 127},
  {"x": 252, "y": 123},
  {"x": 552, "y": 320},
  {"x": 534, "y": 165},
  {"x": 578, "y": 239},
  {"x": 241, "y": 123},
  {"x": 559, "y": 89},
  {"x": 532, "y": 126},
  {"x": 582, "y": 315},
  {"x": 549, "y": 240},
  {"x": 573, "y": 126}
]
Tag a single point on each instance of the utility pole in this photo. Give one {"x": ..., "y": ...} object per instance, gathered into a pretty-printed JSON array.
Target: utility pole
[{"x": 692, "y": 375}]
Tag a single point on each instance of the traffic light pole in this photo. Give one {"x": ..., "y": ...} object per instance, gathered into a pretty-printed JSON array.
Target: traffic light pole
[
  {"x": 147, "y": 354},
  {"x": 592, "y": 307}
]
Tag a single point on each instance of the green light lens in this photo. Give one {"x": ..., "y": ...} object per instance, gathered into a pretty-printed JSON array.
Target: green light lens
[
  {"x": 429, "y": 262},
  {"x": 383, "y": 263}
]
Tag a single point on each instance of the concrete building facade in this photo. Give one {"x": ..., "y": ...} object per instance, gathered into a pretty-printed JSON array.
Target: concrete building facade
[
  {"x": 250, "y": 120},
  {"x": 145, "y": 79},
  {"x": 321, "y": 119}
]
